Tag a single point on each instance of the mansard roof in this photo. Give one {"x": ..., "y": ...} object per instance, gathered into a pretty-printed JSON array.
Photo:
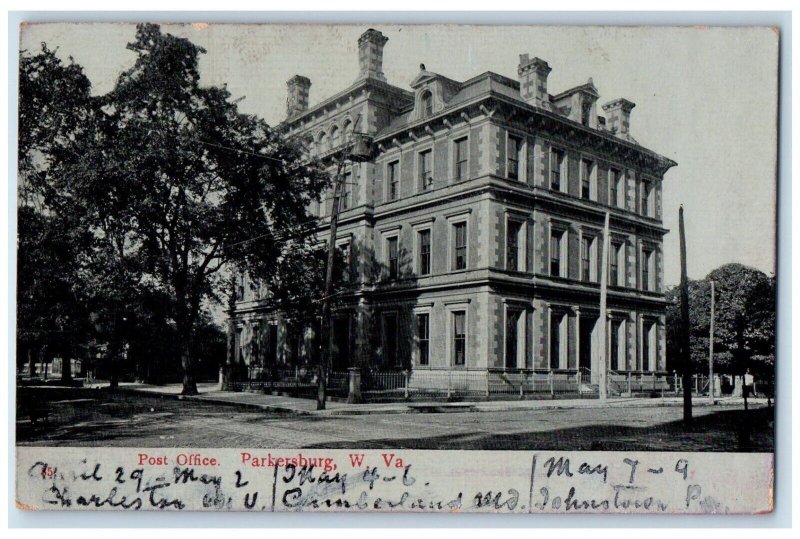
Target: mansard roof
[{"x": 503, "y": 91}]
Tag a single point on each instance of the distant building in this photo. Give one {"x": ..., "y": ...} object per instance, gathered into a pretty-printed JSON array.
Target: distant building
[{"x": 472, "y": 236}]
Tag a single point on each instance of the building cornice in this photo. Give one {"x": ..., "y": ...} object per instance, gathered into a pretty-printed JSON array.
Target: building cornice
[
  {"x": 345, "y": 96},
  {"x": 541, "y": 120}
]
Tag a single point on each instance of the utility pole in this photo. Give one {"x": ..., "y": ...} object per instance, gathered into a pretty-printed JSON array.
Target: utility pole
[
  {"x": 602, "y": 366},
  {"x": 711, "y": 351},
  {"x": 326, "y": 344},
  {"x": 686, "y": 361},
  {"x": 325, "y": 348}
]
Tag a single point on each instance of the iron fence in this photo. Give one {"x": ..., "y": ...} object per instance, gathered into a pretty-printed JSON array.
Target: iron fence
[{"x": 455, "y": 384}]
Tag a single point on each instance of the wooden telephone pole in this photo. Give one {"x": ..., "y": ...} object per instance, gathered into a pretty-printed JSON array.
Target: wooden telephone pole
[
  {"x": 686, "y": 359},
  {"x": 711, "y": 351},
  {"x": 325, "y": 354},
  {"x": 325, "y": 348},
  {"x": 602, "y": 363}
]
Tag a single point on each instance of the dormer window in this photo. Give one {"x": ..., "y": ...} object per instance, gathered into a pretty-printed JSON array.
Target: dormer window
[
  {"x": 586, "y": 110},
  {"x": 426, "y": 101}
]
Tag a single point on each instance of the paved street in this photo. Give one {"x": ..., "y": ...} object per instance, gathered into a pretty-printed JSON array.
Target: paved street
[{"x": 91, "y": 417}]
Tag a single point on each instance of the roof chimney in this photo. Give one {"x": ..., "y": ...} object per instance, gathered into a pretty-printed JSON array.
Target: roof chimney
[
  {"x": 370, "y": 55},
  {"x": 297, "y": 96},
  {"x": 533, "y": 81},
  {"x": 618, "y": 114}
]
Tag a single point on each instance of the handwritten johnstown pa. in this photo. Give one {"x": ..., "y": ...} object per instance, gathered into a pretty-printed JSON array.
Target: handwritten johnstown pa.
[
  {"x": 391, "y": 251},
  {"x": 524, "y": 482}
]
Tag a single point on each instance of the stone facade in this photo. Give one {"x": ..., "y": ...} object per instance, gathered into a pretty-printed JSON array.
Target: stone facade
[{"x": 475, "y": 229}]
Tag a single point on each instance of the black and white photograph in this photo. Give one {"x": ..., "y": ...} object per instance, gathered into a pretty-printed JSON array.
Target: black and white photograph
[{"x": 396, "y": 237}]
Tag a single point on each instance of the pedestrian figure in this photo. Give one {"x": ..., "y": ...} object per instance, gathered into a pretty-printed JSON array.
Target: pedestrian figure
[{"x": 749, "y": 384}]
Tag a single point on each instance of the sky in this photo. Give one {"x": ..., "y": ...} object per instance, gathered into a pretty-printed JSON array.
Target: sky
[{"x": 705, "y": 98}]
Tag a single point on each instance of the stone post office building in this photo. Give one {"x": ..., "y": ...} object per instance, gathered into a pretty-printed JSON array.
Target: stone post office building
[{"x": 473, "y": 232}]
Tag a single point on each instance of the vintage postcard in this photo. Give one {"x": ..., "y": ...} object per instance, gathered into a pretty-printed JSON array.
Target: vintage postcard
[{"x": 503, "y": 269}]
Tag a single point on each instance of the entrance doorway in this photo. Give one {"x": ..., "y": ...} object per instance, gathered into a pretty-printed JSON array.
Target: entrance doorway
[{"x": 341, "y": 343}]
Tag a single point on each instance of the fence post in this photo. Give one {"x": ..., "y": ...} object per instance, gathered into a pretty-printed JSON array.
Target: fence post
[
  {"x": 675, "y": 376},
  {"x": 630, "y": 387},
  {"x": 550, "y": 383},
  {"x": 354, "y": 388},
  {"x": 697, "y": 383},
  {"x": 407, "y": 375},
  {"x": 578, "y": 379},
  {"x": 654, "y": 381},
  {"x": 449, "y": 382}
]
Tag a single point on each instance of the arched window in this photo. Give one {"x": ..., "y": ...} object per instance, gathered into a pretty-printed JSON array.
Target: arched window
[
  {"x": 348, "y": 131},
  {"x": 335, "y": 137},
  {"x": 322, "y": 143},
  {"x": 426, "y": 101}
]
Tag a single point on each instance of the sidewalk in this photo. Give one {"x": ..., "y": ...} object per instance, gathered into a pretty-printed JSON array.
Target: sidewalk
[{"x": 209, "y": 392}]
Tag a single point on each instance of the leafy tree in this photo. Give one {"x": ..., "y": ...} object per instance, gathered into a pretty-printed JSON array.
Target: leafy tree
[
  {"x": 50, "y": 316},
  {"x": 54, "y": 102},
  {"x": 744, "y": 322},
  {"x": 176, "y": 184}
]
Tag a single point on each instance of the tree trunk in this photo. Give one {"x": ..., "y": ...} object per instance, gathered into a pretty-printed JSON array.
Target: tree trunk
[
  {"x": 230, "y": 359},
  {"x": 66, "y": 365},
  {"x": 31, "y": 362},
  {"x": 189, "y": 385},
  {"x": 113, "y": 381},
  {"x": 111, "y": 357}
]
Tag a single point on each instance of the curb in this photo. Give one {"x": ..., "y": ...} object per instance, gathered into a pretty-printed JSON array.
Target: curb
[{"x": 435, "y": 407}]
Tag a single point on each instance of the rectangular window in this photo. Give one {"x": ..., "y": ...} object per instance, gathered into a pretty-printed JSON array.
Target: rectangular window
[
  {"x": 646, "y": 348},
  {"x": 423, "y": 338},
  {"x": 426, "y": 170},
  {"x": 514, "y": 157},
  {"x": 392, "y": 256},
  {"x": 272, "y": 344},
  {"x": 586, "y": 259},
  {"x": 556, "y": 166},
  {"x": 613, "y": 274},
  {"x": 646, "y": 259},
  {"x": 616, "y": 358},
  {"x": 255, "y": 345},
  {"x": 461, "y": 170},
  {"x": 460, "y": 246},
  {"x": 512, "y": 246},
  {"x": 394, "y": 180},
  {"x": 555, "y": 252},
  {"x": 240, "y": 287},
  {"x": 347, "y": 188},
  {"x": 239, "y": 346},
  {"x": 555, "y": 340},
  {"x": 645, "y": 193},
  {"x": 424, "y": 238},
  {"x": 613, "y": 183},
  {"x": 459, "y": 338},
  {"x": 586, "y": 179},
  {"x": 512, "y": 338},
  {"x": 342, "y": 263}
]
